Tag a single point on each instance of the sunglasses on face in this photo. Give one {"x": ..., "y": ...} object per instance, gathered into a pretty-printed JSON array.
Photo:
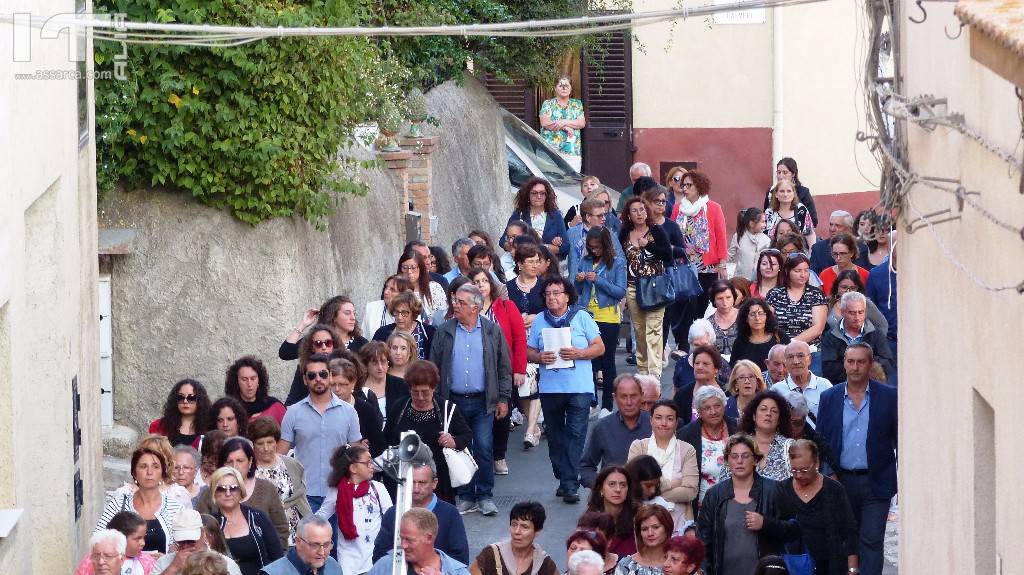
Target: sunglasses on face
[
  {"x": 677, "y": 178},
  {"x": 190, "y": 398},
  {"x": 322, "y": 374},
  {"x": 227, "y": 489},
  {"x": 323, "y": 343}
]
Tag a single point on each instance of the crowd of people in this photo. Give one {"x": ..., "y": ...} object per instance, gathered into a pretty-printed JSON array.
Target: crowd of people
[{"x": 775, "y": 447}]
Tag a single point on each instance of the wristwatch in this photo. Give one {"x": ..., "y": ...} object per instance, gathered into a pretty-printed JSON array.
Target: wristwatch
[{"x": 853, "y": 570}]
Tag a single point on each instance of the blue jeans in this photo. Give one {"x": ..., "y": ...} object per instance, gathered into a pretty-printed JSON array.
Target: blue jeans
[
  {"x": 474, "y": 411},
  {"x": 315, "y": 501},
  {"x": 870, "y": 512},
  {"x": 565, "y": 424}
]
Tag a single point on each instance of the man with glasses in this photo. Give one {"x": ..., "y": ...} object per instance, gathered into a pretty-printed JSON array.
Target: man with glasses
[
  {"x": 800, "y": 378},
  {"x": 312, "y": 551},
  {"x": 565, "y": 390},
  {"x": 316, "y": 427},
  {"x": 840, "y": 222},
  {"x": 852, "y": 328},
  {"x": 189, "y": 537},
  {"x": 474, "y": 361},
  {"x": 595, "y": 214}
]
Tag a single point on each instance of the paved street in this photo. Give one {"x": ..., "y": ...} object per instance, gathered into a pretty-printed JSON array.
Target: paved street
[{"x": 530, "y": 477}]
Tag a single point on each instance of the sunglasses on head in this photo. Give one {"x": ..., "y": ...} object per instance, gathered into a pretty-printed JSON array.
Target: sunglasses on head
[
  {"x": 312, "y": 375},
  {"x": 228, "y": 489},
  {"x": 323, "y": 342},
  {"x": 190, "y": 398}
]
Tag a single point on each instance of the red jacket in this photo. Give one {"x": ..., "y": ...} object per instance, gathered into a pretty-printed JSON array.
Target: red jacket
[
  {"x": 157, "y": 426},
  {"x": 511, "y": 322},
  {"x": 718, "y": 242}
]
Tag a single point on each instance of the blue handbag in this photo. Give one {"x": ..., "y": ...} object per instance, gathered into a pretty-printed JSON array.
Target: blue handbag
[
  {"x": 799, "y": 563},
  {"x": 684, "y": 279},
  {"x": 655, "y": 292}
]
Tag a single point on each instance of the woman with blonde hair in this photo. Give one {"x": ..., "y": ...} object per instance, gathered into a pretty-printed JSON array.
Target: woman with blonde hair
[
  {"x": 401, "y": 347},
  {"x": 588, "y": 185},
  {"x": 785, "y": 205},
  {"x": 674, "y": 183},
  {"x": 745, "y": 382}
]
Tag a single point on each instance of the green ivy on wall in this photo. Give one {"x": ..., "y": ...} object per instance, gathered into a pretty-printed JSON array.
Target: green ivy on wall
[{"x": 257, "y": 128}]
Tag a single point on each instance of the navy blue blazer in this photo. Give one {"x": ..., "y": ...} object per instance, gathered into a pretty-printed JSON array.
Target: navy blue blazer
[
  {"x": 882, "y": 432},
  {"x": 554, "y": 226}
]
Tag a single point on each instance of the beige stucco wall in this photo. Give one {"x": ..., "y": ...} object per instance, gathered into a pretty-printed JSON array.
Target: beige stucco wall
[
  {"x": 960, "y": 348},
  {"x": 697, "y": 74},
  {"x": 48, "y": 317}
]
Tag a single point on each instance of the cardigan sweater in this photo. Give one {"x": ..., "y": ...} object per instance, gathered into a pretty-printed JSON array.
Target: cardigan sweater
[{"x": 718, "y": 242}]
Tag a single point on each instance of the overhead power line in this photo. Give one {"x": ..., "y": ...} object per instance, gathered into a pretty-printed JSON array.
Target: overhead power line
[{"x": 207, "y": 35}]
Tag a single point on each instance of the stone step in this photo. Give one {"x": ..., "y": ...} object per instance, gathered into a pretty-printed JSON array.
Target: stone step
[{"x": 116, "y": 472}]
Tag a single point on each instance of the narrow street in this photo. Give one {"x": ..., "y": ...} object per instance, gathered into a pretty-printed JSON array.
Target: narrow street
[{"x": 530, "y": 478}]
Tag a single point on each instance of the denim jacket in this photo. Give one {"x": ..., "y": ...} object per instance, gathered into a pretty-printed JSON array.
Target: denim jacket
[{"x": 611, "y": 283}]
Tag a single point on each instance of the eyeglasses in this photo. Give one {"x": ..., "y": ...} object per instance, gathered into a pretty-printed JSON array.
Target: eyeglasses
[
  {"x": 228, "y": 489},
  {"x": 312, "y": 375},
  {"x": 553, "y": 293},
  {"x": 795, "y": 471},
  {"x": 463, "y": 303},
  {"x": 104, "y": 557},
  {"x": 323, "y": 343},
  {"x": 757, "y": 313},
  {"x": 686, "y": 185},
  {"x": 409, "y": 268},
  {"x": 840, "y": 254},
  {"x": 368, "y": 463},
  {"x": 660, "y": 202},
  {"x": 190, "y": 398},
  {"x": 745, "y": 378},
  {"x": 563, "y": 85},
  {"x": 538, "y": 193},
  {"x": 740, "y": 456},
  {"x": 320, "y": 546}
]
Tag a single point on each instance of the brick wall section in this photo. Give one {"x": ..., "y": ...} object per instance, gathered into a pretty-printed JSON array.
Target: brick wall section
[{"x": 414, "y": 167}]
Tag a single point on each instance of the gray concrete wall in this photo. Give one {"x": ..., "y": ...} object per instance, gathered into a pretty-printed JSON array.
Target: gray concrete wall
[{"x": 202, "y": 288}]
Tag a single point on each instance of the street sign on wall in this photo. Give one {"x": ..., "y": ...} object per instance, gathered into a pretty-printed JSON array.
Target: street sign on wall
[{"x": 752, "y": 16}]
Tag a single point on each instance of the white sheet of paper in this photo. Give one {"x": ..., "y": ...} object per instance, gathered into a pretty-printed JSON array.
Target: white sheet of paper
[{"x": 556, "y": 338}]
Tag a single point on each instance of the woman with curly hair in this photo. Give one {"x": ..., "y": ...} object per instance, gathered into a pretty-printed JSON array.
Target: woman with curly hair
[
  {"x": 248, "y": 382},
  {"x": 704, "y": 241},
  {"x": 766, "y": 419},
  {"x": 756, "y": 333},
  {"x": 228, "y": 415},
  {"x": 537, "y": 205},
  {"x": 321, "y": 338},
  {"x": 186, "y": 414}
]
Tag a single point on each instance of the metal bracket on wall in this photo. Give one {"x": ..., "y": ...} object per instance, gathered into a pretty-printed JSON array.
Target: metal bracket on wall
[
  {"x": 924, "y": 13},
  {"x": 925, "y": 220},
  {"x": 960, "y": 192}
]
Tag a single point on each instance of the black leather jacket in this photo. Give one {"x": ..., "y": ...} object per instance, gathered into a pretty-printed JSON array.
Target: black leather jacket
[{"x": 711, "y": 521}]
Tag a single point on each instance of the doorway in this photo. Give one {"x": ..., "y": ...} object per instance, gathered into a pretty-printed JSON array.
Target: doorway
[{"x": 608, "y": 100}]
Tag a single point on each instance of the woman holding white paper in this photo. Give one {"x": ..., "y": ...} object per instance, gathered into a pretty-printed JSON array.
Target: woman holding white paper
[{"x": 566, "y": 390}]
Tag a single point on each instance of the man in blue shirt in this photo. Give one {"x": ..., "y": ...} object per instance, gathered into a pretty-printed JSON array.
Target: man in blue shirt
[
  {"x": 316, "y": 427},
  {"x": 417, "y": 533},
  {"x": 474, "y": 361},
  {"x": 565, "y": 393},
  {"x": 857, "y": 421},
  {"x": 460, "y": 259},
  {"x": 312, "y": 551},
  {"x": 594, "y": 213},
  {"x": 451, "y": 532}
]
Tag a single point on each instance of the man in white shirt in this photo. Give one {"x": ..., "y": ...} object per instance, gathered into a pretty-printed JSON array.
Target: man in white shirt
[{"x": 800, "y": 378}]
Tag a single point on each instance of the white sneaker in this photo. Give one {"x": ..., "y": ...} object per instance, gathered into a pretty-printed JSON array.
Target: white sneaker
[{"x": 500, "y": 467}]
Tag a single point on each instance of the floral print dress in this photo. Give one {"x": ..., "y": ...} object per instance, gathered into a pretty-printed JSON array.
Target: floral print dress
[
  {"x": 712, "y": 465},
  {"x": 558, "y": 138},
  {"x": 696, "y": 239},
  {"x": 278, "y": 475}
]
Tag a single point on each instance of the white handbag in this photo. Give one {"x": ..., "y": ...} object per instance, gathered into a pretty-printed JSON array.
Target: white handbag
[
  {"x": 530, "y": 386},
  {"x": 461, "y": 465}
]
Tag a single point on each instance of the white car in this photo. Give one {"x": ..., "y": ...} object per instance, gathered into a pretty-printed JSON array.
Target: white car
[{"x": 529, "y": 155}]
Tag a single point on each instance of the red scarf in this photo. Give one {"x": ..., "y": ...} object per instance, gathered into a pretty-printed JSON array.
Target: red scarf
[{"x": 347, "y": 492}]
